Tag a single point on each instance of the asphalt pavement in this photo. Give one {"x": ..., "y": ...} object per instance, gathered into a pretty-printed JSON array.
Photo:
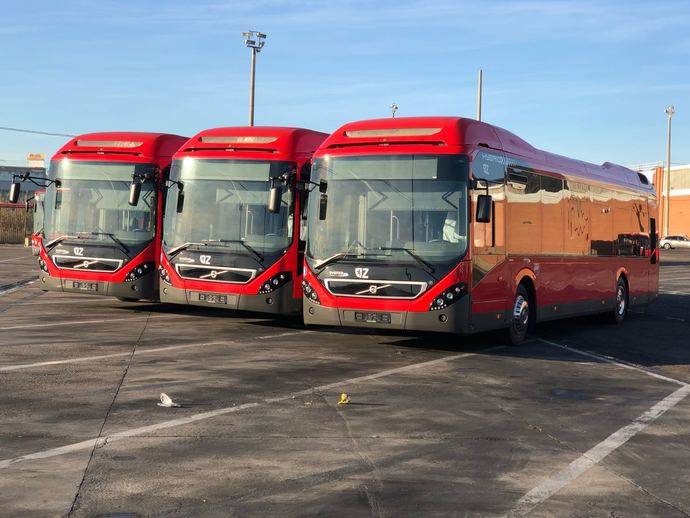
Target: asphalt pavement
[{"x": 586, "y": 419}]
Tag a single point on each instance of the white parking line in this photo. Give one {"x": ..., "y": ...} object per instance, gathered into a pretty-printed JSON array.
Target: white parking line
[
  {"x": 132, "y": 432},
  {"x": 140, "y": 351},
  {"x": 668, "y": 292},
  {"x": 72, "y": 323},
  {"x": 16, "y": 287},
  {"x": 12, "y": 259},
  {"x": 593, "y": 456},
  {"x": 29, "y": 327},
  {"x": 599, "y": 452},
  {"x": 614, "y": 361}
]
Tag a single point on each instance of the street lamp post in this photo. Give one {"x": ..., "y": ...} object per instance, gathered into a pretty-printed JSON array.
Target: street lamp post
[
  {"x": 255, "y": 41},
  {"x": 670, "y": 111}
]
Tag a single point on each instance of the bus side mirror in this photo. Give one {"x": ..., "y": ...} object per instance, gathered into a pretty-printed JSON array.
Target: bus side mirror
[
  {"x": 180, "y": 201},
  {"x": 484, "y": 203},
  {"x": 134, "y": 192},
  {"x": 323, "y": 186},
  {"x": 274, "y": 199},
  {"x": 323, "y": 206},
  {"x": 14, "y": 192}
]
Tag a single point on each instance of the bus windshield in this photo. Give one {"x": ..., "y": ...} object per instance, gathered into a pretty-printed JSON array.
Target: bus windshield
[
  {"x": 391, "y": 208},
  {"x": 226, "y": 205},
  {"x": 90, "y": 201}
]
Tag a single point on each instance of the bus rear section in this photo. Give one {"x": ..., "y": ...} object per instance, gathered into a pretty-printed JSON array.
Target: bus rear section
[
  {"x": 453, "y": 225},
  {"x": 233, "y": 230},
  {"x": 94, "y": 241}
]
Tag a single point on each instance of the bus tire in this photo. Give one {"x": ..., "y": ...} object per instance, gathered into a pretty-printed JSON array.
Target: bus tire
[
  {"x": 521, "y": 318},
  {"x": 617, "y": 316}
]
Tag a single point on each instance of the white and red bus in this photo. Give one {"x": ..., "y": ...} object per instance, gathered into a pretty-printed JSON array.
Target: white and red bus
[
  {"x": 450, "y": 224},
  {"x": 233, "y": 233},
  {"x": 98, "y": 237}
]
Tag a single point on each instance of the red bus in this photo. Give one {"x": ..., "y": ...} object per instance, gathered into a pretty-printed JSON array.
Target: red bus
[
  {"x": 94, "y": 239},
  {"x": 450, "y": 224},
  {"x": 233, "y": 235}
]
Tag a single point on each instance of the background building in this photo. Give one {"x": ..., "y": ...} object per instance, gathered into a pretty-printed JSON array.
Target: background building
[{"x": 679, "y": 208}]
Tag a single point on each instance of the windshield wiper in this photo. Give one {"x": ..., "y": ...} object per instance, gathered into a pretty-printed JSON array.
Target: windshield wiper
[
  {"x": 335, "y": 258},
  {"x": 424, "y": 264},
  {"x": 251, "y": 250},
  {"x": 174, "y": 251},
  {"x": 119, "y": 243},
  {"x": 58, "y": 240}
]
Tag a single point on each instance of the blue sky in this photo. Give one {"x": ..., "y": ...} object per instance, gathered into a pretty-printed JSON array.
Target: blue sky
[{"x": 588, "y": 79}]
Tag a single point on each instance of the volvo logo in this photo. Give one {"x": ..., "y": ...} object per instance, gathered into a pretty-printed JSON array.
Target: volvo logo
[
  {"x": 362, "y": 273},
  {"x": 373, "y": 289}
]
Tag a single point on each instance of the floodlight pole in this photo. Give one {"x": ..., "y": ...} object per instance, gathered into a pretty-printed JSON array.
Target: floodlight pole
[
  {"x": 252, "y": 75},
  {"x": 254, "y": 40},
  {"x": 479, "y": 95},
  {"x": 670, "y": 111}
]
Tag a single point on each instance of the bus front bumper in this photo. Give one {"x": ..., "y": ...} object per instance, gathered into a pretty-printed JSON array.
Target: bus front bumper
[
  {"x": 454, "y": 319},
  {"x": 278, "y": 302},
  {"x": 142, "y": 288}
]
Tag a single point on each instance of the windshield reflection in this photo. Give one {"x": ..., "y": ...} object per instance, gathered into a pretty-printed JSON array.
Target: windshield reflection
[
  {"x": 225, "y": 206},
  {"x": 90, "y": 201},
  {"x": 391, "y": 208}
]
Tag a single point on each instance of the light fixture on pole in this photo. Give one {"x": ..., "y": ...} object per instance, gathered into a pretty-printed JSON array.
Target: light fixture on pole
[
  {"x": 669, "y": 111},
  {"x": 394, "y": 108},
  {"x": 255, "y": 41}
]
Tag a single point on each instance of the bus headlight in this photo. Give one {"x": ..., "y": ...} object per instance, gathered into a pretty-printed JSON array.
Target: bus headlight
[
  {"x": 310, "y": 293},
  {"x": 448, "y": 297},
  {"x": 275, "y": 282},
  {"x": 42, "y": 264},
  {"x": 139, "y": 271},
  {"x": 165, "y": 276}
]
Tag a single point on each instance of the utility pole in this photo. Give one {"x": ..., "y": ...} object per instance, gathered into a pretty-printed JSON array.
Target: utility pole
[
  {"x": 254, "y": 40},
  {"x": 670, "y": 111},
  {"x": 479, "y": 95}
]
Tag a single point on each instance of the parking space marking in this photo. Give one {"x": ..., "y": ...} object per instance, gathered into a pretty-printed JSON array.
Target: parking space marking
[
  {"x": 13, "y": 259},
  {"x": 16, "y": 286},
  {"x": 79, "y": 322},
  {"x": 596, "y": 454},
  {"x": 668, "y": 292},
  {"x": 82, "y": 359},
  {"x": 614, "y": 361},
  {"x": 342, "y": 384}
]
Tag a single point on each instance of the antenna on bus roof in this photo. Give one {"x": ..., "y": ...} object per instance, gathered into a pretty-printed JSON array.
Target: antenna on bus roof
[
  {"x": 394, "y": 108},
  {"x": 479, "y": 94}
]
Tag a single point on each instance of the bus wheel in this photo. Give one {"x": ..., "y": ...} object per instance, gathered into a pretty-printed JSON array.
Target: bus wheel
[
  {"x": 520, "y": 318},
  {"x": 621, "y": 309}
]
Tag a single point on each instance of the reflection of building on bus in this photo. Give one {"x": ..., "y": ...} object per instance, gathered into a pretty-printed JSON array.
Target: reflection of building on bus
[{"x": 449, "y": 224}]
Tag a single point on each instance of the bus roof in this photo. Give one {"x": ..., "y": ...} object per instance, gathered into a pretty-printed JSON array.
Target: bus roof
[
  {"x": 273, "y": 142},
  {"x": 429, "y": 133},
  {"x": 121, "y": 145}
]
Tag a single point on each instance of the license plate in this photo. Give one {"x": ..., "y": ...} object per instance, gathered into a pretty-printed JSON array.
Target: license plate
[
  {"x": 375, "y": 318},
  {"x": 85, "y": 286},
  {"x": 213, "y": 298}
]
